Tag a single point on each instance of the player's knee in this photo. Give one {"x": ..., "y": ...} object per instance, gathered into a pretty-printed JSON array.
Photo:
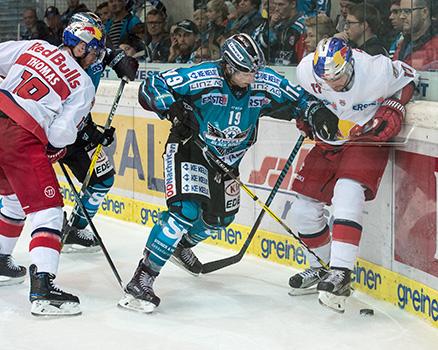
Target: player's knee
[
  {"x": 307, "y": 215},
  {"x": 348, "y": 200},
  {"x": 12, "y": 208},
  {"x": 50, "y": 218},
  {"x": 217, "y": 221},
  {"x": 108, "y": 183},
  {"x": 188, "y": 212}
]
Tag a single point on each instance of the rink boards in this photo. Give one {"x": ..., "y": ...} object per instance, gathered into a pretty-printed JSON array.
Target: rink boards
[{"x": 399, "y": 249}]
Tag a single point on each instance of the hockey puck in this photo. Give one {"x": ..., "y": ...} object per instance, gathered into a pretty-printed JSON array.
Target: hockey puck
[{"x": 367, "y": 312}]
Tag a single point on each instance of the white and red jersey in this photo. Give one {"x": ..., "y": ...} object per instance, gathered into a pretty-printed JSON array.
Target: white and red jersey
[
  {"x": 375, "y": 79},
  {"x": 49, "y": 85}
]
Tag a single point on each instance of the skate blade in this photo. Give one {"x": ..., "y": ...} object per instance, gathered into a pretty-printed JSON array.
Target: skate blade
[
  {"x": 134, "y": 304},
  {"x": 10, "y": 281},
  {"x": 46, "y": 308},
  {"x": 76, "y": 248},
  {"x": 332, "y": 301},
  {"x": 178, "y": 263},
  {"x": 302, "y": 291}
]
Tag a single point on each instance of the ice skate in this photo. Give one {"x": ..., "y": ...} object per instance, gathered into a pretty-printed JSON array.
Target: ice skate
[
  {"x": 10, "y": 272},
  {"x": 139, "y": 293},
  {"x": 334, "y": 289},
  {"x": 49, "y": 300},
  {"x": 305, "y": 282},
  {"x": 79, "y": 241},
  {"x": 186, "y": 259}
]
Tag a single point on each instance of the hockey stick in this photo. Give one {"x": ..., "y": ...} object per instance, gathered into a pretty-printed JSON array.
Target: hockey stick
[
  {"x": 99, "y": 146},
  {"x": 90, "y": 222},
  {"x": 225, "y": 169},
  {"x": 219, "y": 264}
]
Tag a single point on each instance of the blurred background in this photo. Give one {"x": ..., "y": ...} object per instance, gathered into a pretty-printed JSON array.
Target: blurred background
[{"x": 191, "y": 31}]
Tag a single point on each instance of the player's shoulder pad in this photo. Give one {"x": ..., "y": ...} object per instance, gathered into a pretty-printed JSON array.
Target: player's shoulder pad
[{"x": 205, "y": 70}]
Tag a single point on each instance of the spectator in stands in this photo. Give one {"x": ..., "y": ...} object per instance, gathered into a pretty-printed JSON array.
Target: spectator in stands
[
  {"x": 133, "y": 46},
  {"x": 317, "y": 28},
  {"x": 397, "y": 24},
  {"x": 201, "y": 20},
  {"x": 419, "y": 47},
  {"x": 73, "y": 7},
  {"x": 157, "y": 38},
  {"x": 53, "y": 21},
  {"x": 185, "y": 42},
  {"x": 34, "y": 28},
  {"x": 361, "y": 26},
  {"x": 203, "y": 53},
  {"x": 121, "y": 22},
  {"x": 217, "y": 13},
  {"x": 385, "y": 33},
  {"x": 282, "y": 36},
  {"x": 342, "y": 17},
  {"x": 311, "y": 8},
  {"x": 248, "y": 17},
  {"x": 103, "y": 11}
]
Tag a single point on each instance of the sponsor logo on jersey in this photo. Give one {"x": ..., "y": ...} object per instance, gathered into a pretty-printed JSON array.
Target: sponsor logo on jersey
[
  {"x": 59, "y": 59},
  {"x": 215, "y": 99},
  {"x": 103, "y": 164},
  {"x": 258, "y": 101},
  {"x": 203, "y": 73},
  {"x": 266, "y": 77},
  {"x": 232, "y": 195},
  {"x": 169, "y": 170},
  {"x": 363, "y": 106},
  {"x": 266, "y": 87},
  {"x": 194, "y": 179},
  {"x": 206, "y": 84}
]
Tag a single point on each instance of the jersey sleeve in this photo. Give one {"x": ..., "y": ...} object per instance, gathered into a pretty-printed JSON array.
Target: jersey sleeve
[
  {"x": 286, "y": 100},
  {"x": 9, "y": 53},
  {"x": 398, "y": 74},
  {"x": 160, "y": 90},
  {"x": 64, "y": 128},
  {"x": 155, "y": 95}
]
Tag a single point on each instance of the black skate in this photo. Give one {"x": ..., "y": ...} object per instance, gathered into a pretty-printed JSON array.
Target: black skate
[
  {"x": 140, "y": 294},
  {"x": 335, "y": 288},
  {"x": 10, "y": 273},
  {"x": 79, "y": 240},
  {"x": 186, "y": 259},
  {"x": 305, "y": 282},
  {"x": 47, "y": 299}
]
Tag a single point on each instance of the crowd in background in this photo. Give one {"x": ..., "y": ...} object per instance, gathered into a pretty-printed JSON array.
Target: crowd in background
[{"x": 286, "y": 30}]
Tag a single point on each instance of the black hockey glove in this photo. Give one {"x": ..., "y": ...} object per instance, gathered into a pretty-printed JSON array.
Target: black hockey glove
[
  {"x": 91, "y": 136},
  {"x": 182, "y": 117},
  {"x": 124, "y": 66},
  {"x": 323, "y": 121}
]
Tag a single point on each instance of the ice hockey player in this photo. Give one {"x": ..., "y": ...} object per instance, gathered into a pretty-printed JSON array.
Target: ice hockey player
[
  {"x": 76, "y": 236},
  {"x": 364, "y": 100},
  {"x": 44, "y": 98},
  {"x": 219, "y": 102}
]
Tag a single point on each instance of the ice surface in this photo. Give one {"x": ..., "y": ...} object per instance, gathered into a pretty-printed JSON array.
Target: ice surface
[{"x": 245, "y": 306}]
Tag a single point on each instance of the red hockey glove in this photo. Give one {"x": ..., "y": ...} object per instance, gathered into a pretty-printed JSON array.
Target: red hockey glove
[
  {"x": 388, "y": 119},
  {"x": 54, "y": 154}
]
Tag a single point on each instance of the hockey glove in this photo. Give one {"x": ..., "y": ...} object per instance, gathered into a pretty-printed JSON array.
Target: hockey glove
[
  {"x": 183, "y": 119},
  {"x": 124, "y": 66},
  {"x": 388, "y": 120},
  {"x": 323, "y": 121},
  {"x": 54, "y": 154},
  {"x": 91, "y": 136}
]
